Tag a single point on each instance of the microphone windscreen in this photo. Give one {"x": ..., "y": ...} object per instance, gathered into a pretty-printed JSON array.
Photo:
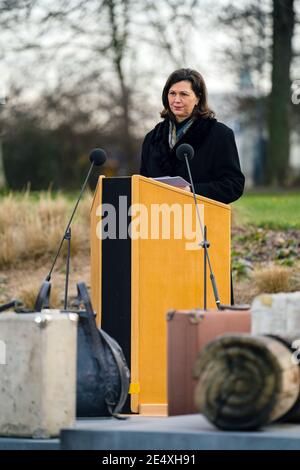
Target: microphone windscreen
[
  {"x": 98, "y": 156},
  {"x": 185, "y": 150}
]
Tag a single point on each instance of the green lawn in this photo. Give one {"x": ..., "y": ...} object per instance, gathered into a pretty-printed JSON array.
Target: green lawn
[{"x": 274, "y": 210}]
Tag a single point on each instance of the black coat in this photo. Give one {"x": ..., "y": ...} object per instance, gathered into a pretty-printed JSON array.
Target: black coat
[{"x": 215, "y": 167}]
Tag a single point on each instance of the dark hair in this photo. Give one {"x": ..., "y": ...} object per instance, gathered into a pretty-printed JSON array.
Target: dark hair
[{"x": 198, "y": 85}]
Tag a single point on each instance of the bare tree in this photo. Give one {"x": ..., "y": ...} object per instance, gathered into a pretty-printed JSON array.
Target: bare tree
[
  {"x": 280, "y": 101},
  {"x": 95, "y": 44},
  {"x": 172, "y": 23},
  {"x": 10, "y": 13},
  {"x": 2, "y": 173},
  {"x": 264, "y": 33}
]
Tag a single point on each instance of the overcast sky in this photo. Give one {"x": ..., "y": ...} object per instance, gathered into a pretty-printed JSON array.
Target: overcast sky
[{"x": 205, "y": 55}]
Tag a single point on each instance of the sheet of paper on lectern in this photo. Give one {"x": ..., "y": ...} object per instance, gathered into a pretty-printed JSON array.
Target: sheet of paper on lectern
[{"x": 176, "y": 181}]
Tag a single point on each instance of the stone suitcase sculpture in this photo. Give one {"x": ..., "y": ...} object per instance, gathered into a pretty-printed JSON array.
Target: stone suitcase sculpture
[{"x": 37, "y": 373}]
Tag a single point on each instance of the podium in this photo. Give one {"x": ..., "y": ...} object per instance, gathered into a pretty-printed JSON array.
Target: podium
[{"x": 146, "y": 261}]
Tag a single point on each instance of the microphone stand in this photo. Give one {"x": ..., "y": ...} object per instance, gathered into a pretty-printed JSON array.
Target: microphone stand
[
  {"x": 205, "y": 245},
  {"x": 97, "y": 157},
  {"x": 204, "y": 269},
  {"x": 67, "y": 237}
]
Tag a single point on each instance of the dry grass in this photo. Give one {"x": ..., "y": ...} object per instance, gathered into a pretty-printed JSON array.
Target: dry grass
[
  {"x": 31, "y": 228},
  {"x": 24, "y": 280},
  {"x": 29, "y": 292},
  {"x": 275, "y": 279},
  {"x": 271, "y": 279}
]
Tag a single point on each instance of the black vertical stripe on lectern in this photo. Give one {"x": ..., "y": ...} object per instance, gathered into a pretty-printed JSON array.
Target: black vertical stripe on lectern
[{"x": 116, "y": 272}]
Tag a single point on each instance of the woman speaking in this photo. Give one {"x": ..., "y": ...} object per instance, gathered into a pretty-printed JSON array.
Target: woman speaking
[{"x": 187, "y": 118}]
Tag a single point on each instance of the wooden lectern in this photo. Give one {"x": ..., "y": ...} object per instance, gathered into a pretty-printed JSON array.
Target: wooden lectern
[{"x": 137, "y": 279}]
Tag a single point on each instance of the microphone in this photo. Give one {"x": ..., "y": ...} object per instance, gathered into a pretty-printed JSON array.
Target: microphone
[
  {"x": 97, "y": 158},
  {"x": 185, "y": 152}
]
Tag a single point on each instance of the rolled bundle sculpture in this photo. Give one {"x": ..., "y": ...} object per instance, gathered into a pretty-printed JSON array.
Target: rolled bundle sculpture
[{"x": 246, "y": 381}]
